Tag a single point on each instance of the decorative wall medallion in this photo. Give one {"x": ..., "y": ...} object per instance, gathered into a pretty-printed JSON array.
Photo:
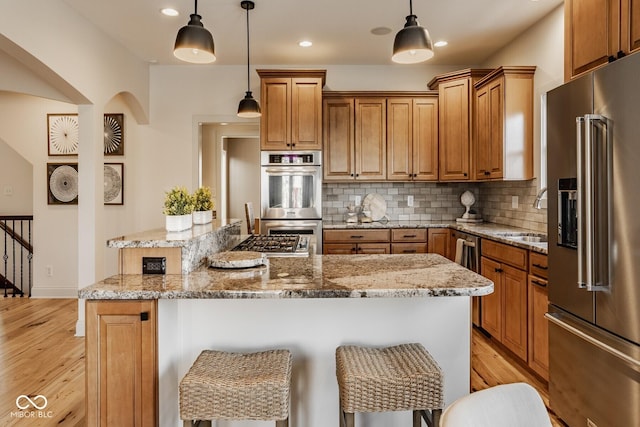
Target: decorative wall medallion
[
  {"x": 113, "y": 183},
  {"x": 62, "y": 183},
  {"x": 114, "y": 134},
  {"x": 62, "y": 134}
]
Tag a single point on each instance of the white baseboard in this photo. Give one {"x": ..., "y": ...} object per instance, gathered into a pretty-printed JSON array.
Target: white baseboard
[{"x": 80, "y": 328}]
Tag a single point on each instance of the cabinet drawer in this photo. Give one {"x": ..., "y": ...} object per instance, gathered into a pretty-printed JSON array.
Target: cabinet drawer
[
  {"x": 408, "y": 248},
  {"x": 538, "y": 264},
  {"x": 349, "y": 236},
  {"x": 511, "y": 255},
  {"x": 409, "y": 235}
]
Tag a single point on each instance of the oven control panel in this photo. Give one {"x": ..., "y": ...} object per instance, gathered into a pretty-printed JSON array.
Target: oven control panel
[{"x": 306, "y": 158}]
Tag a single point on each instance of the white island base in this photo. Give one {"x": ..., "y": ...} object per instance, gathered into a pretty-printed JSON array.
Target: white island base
[{"x": 312, "y": 329}]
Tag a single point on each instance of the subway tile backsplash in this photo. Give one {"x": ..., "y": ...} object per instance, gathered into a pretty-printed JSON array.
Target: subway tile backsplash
[{"x": 441, "y": 201}]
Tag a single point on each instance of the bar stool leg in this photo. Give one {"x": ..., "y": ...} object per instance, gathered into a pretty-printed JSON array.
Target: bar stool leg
[
  {"x": 283, "y": 423},
  {"x": 349, "y": 419},
  {"x": 417, "y": 419},
  {"x": 436, "y": 417}
]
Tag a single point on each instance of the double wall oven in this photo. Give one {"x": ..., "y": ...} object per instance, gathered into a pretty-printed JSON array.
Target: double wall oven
[{"x": 291, "y": 193}]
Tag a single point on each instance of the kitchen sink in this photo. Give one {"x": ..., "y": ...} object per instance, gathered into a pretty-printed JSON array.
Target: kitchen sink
[{"x": 524, "y": 237}]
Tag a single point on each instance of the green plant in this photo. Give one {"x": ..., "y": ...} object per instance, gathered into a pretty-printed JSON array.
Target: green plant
[
  {"x": 178, "y": 201},
  {"x": 202, "y": 199}
]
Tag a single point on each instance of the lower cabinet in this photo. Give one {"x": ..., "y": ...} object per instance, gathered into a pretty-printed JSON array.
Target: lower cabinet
[
  {"x": 439, "y": 241},
  {"x": 538, "y": 301},
  {"x": 121, "y": 363},
  {"x": 356, "y": 241},
  {"x": 504, "y": 312},
  {"x": 409, "y": 241}
]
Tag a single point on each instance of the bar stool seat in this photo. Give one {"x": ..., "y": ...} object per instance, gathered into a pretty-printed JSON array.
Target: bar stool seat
[
  {"x": 399, "y": 378},
  {"x": 237, "y": 386}
]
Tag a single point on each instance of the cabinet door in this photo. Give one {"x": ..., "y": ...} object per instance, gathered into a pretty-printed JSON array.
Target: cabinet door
[
  {"x": 399, "y": 139},
  {"x": 121, "y": 365},
  {"x": 514, "y": 328},
  {"x": 339, "y": 248},
  {"x": 538, "y": 301},
  {"x": 275, "y": 122},
  {"x": 373, "y": 248},
  {"x": 454, "y": 130},
  {"x": 439, "y": 241},
  {"x": 306, "y": 113},
  {"x": 496, "y": 129},
  {"x": 492, "y": 303},
  {"x": 482, "y": 140},
  {"x": 425, "y": 139},
  {"x": 339, "y": 143},
  {"x": 371, "y": 144},
  {"x": 592, "y": 34},
  {"x": 630, "y": 25}
]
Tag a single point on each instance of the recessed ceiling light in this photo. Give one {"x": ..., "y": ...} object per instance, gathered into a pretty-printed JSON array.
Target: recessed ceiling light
[
  {"x": 169, "y": 11},
  {"x": 440, "y": 43},
  {"x": 305, "y": 43},
  {"x": 381, "y": 31}
]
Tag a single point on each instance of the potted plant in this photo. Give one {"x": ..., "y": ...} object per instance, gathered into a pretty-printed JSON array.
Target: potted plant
[
  {"x": 202, "y": 206},
  {"x": 178, "y": 206}
]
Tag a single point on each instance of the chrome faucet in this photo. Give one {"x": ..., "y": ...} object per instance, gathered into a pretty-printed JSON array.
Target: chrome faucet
[{"x": 537, "y": 203}]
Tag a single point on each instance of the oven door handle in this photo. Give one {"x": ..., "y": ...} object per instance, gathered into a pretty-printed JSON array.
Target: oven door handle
[{"x": 288, "y": 170}]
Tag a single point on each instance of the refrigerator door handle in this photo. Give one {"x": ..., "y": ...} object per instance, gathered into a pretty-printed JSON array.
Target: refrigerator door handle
[
  {"x": 593, "y": 233},
  {"x": 580, "y": 334}
]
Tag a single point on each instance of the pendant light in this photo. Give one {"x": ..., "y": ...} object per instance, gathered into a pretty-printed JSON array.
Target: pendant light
[
  {"x": 194, "y": 43},
  {"x": 248, "y": 106},
  {"x": 412, "y": 43}
]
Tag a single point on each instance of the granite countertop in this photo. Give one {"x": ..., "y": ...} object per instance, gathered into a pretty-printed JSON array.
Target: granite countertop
[
  {"x": 160, "y": 237},
  {"x": 316, "y": 276},
  {"x": 500, "y": 233}
]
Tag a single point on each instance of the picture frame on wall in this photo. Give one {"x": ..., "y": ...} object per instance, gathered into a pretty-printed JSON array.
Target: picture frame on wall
[
  {"x": 62, "y": 183},
  {"x": 62, "y": 134},
  {"x": 114, "y": 183},
  {"x": 114, "y": 134}
]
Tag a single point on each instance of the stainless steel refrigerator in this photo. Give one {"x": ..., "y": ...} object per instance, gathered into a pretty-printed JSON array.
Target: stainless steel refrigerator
[{"x": 593, "y": 158}]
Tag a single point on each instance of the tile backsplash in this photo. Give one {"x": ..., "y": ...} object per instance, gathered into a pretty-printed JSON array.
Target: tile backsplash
[{"x": 441, "y": 201}]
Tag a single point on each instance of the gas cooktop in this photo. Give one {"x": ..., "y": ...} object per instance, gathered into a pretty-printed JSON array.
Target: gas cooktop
[{"x": 276, "y": 244}]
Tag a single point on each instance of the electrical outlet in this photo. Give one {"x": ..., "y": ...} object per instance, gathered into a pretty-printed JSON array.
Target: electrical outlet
[
  {"x": 50, "y": 270},
  {"x": 8, "y": 190},
  {"x": 358, "y": 200},
  {"x": 410, "y": 201},
  {"x": 514, "y": 202}
]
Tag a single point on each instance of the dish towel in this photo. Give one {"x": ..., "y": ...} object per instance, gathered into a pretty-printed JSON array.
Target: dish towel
[{"x": 459, "y": 250}]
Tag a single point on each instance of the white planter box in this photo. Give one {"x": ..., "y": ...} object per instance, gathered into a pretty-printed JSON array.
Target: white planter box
[
  {"x": 178, "y": 222},
  {"x": 202, "y": 217}
]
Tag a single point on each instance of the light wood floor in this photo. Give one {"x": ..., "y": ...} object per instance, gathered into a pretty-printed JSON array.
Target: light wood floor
[{"x": 39, "y": 355}]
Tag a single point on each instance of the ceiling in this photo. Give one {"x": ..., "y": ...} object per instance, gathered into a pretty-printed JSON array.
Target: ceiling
[{"x": 340, "y": 29}]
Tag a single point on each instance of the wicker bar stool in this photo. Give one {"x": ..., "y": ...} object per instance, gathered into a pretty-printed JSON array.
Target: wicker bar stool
[
  {"x": 237, "y": 386},
  {"x": 399, "y": 378}
]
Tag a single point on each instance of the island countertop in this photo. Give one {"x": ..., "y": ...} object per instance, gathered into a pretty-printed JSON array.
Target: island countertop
[{"x": 316, "y": 276}]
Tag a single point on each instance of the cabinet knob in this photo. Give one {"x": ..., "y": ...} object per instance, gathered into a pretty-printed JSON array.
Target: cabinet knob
[
  {"x": 144, "y": 316},
  {"x": 464, "y": 174},
  {"x": 542, "y": 285},
  {"x": 498, "y": 270},
  {"x": 293, "y": 145},
  {"x": 415, "y": 175},
  {"x": 351, "y": 174},
  {"x": 487, "y": 173},
  {"x": 543, "y": 267}
]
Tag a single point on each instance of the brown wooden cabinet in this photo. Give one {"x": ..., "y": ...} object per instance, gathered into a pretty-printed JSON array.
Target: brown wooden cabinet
[
  {"x": 456, "y": 122},
  {"x": 504, "y": 152},
  {"x": 356, "y": 241},
  {"x": 355, "y": 138},
  {"x": 291, "y": 109},
  {"x": 409, "y": 241},
  {"x": 121, "y": 363},
  {"x": 412, "y": 139},
  {"x": 538, "y": 329},
  {"x": 439, "y": 241},
  {"x": 599, "y": 31},
  {"x": 504, "y": 313}
]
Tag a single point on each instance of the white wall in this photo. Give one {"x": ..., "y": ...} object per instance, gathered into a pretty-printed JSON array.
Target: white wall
[
  {"x": 243, "y": 177},
  {"x": 16, "y": 176}
]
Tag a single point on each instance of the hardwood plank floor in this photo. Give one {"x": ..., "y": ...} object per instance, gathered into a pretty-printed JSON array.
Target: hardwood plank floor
[
  {"x": 492, "y": 366},
  {"x": 39, "y": 355}
]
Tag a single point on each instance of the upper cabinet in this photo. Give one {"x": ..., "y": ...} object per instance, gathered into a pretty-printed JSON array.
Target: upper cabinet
[
  {"x": 412, "y": 139},
  {"x": 291, "y": 109},
  {"x": 503, "y": 144},
  {"x": 456, "y": 122},
  {"x": 598, "y": 32}
]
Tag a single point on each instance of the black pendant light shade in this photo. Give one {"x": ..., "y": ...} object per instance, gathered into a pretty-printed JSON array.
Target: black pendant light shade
[
  {"x": 248, "y": 107},
  {"x": 194, "y": 43},
  {"x": 413, "y": 43}
]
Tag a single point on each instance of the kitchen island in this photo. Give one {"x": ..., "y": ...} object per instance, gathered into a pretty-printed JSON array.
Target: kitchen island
[{"x": 309, "y": 305}]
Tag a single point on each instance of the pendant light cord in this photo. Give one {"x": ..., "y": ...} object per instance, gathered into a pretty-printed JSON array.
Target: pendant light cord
[
  {"x": 248, "y": 81},
  {"x": 410, "y": 7},
  {"x": 196, "y": 7}
]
